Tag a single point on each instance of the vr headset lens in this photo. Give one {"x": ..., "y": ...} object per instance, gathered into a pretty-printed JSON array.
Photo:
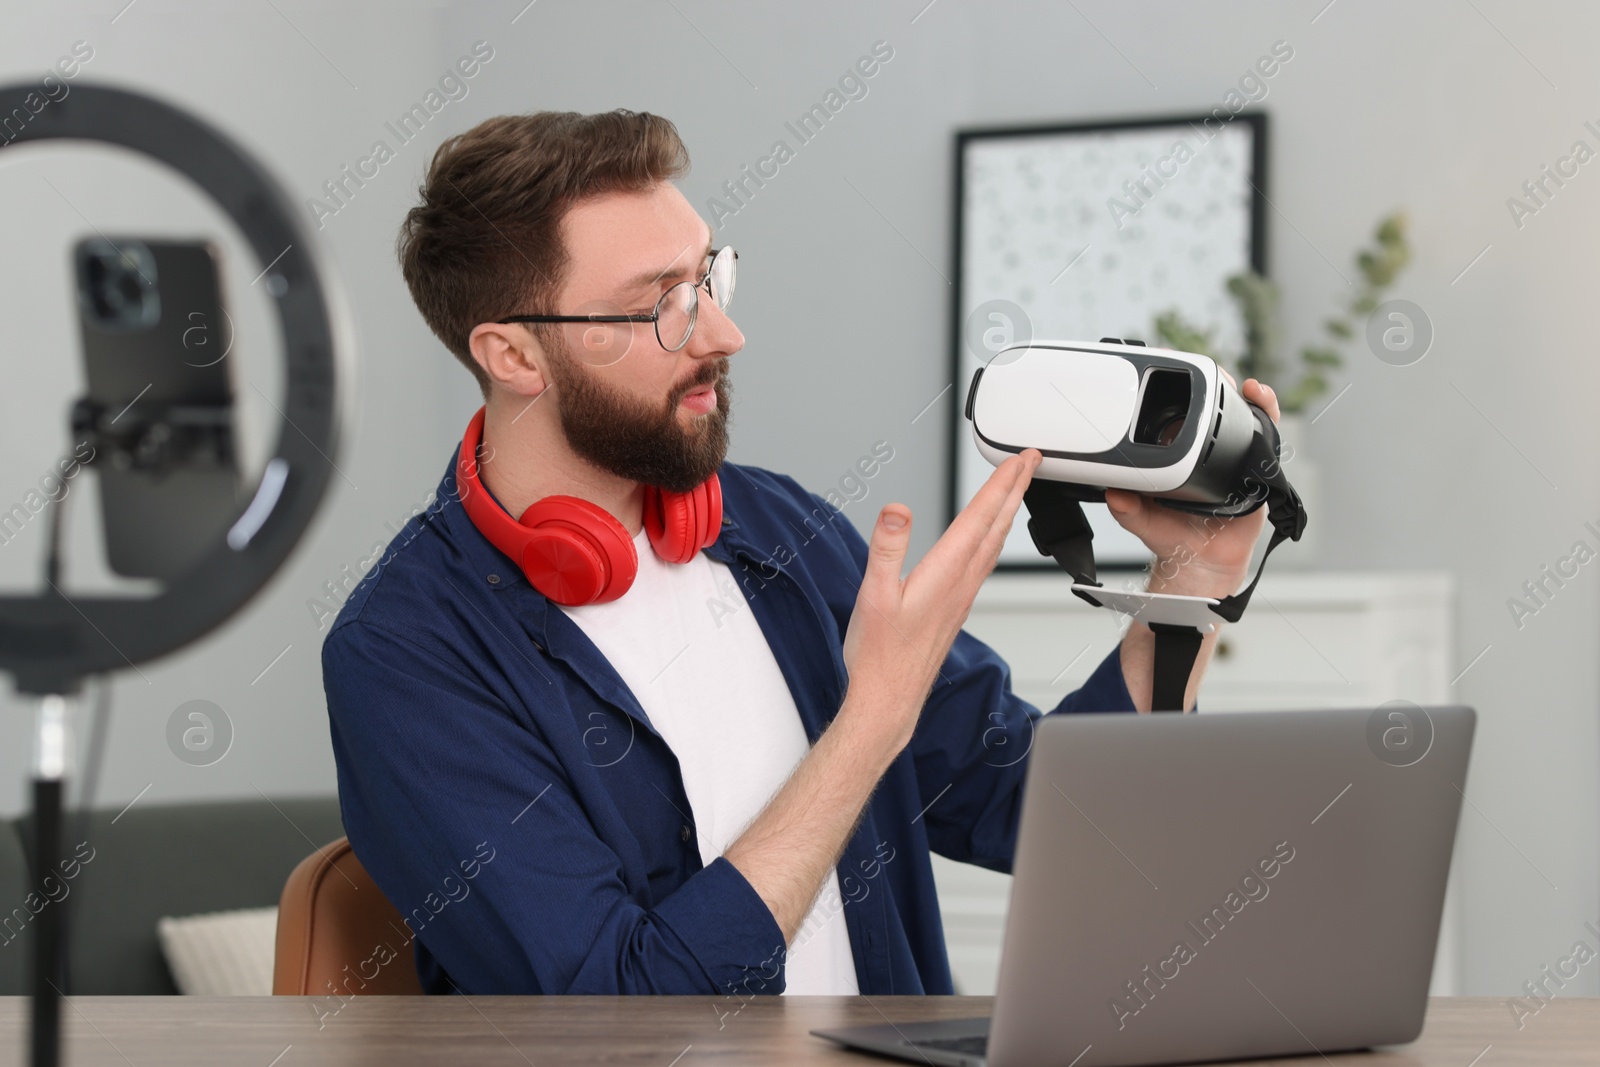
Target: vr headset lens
[{"x": 1163, "y": 408}]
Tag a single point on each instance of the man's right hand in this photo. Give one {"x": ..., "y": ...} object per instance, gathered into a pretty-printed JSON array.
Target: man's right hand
[{"x": 901, "y": 629}]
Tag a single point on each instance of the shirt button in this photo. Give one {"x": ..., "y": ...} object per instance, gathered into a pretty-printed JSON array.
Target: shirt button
[
  {"x": 685, "y": 833},
  {"x": 494, "y": 579}
]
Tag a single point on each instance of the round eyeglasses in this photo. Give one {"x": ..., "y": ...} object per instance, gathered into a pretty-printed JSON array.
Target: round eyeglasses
[{"x": 675, "y": 313}]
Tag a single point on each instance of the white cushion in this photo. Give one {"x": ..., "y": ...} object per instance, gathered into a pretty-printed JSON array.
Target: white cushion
[{"x": 221, "y": 954}]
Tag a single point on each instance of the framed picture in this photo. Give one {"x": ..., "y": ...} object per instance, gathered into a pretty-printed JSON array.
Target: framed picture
[{"x": 1092, "y": 230}]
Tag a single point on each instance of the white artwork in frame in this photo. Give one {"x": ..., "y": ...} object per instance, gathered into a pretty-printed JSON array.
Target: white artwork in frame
[{"x": 1089, "y": 231}]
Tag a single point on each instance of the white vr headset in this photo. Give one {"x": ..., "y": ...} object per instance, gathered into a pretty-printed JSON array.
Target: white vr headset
[{"x": 1116, "y": 414}]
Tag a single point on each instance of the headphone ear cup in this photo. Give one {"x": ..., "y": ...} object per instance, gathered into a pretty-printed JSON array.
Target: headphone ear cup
[
  {"x": 711, "y": 511},
  {"x": 681, "y": 524},
  {"x": 578, "y": 553},
  {"x": 572, "y": 551},
  {"x": 667, "y": 518}
]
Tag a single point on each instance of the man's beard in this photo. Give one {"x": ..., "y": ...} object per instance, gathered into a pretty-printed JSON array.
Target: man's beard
[{"x": 637, "y": 439}]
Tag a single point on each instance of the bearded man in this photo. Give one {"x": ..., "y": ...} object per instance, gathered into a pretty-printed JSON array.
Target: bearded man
[{"x": 623, "y": 717}]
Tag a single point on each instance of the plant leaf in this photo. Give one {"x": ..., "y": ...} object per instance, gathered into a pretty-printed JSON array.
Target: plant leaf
[{"x": 1174, "y": 331}]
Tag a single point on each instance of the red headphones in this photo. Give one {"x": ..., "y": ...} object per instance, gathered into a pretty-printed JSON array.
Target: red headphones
[{"x": 576, "y": 552}]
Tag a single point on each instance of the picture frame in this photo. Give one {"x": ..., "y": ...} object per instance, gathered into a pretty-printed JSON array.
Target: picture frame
[{"x": 1078, "y": 231}]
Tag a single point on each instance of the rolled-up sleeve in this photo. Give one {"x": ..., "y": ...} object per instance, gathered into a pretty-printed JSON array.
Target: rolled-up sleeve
[{"x": 464, "y": 818}]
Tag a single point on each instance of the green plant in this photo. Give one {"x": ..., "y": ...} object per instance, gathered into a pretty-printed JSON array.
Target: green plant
[{"x": 1257, "y": 299}]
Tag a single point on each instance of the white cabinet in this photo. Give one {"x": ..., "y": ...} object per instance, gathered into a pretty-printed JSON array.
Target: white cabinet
[{"x": 1309, "y": 640}]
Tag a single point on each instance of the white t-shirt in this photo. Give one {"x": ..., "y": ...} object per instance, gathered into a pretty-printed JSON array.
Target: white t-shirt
[{"x": 683, "y": 639}]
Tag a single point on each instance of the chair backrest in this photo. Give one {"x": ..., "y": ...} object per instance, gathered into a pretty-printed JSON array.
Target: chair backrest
[{"x": 338, "y": 934}]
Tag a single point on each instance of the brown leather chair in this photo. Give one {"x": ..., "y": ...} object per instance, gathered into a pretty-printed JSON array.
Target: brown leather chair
[{"x": 338, "y": 934}]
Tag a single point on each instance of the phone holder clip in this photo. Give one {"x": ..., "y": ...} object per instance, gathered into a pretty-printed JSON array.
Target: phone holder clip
[{"x": 155, "y": 437}]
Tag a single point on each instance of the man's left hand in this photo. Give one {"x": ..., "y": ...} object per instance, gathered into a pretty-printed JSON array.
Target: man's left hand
[{"x": 1195, "y": 555}]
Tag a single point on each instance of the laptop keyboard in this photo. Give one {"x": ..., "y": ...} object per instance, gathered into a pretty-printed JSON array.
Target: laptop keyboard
[{"x": 975, "y": 1045}]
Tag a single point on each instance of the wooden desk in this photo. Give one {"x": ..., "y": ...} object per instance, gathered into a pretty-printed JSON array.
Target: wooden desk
[{"x": 652, "y": 1031}]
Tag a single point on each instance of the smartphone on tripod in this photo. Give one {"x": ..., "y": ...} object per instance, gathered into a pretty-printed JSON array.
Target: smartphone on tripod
[{"x": 159, "y": 404}]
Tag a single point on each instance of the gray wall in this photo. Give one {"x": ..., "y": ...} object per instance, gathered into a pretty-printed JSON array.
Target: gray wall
[{"x": 1477, "y": 459}]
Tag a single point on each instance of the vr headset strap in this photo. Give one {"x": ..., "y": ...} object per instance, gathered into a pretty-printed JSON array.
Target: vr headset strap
[
  {"x": 1177, "y": 647},
  {"x": 1060, "y": 530},
  {"x": 1231, "y": 608},
  {"x": 1284, "y": 510}
]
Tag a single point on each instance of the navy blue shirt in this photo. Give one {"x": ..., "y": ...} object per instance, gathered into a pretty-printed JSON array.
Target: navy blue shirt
[{"x": 509, "y": 795}]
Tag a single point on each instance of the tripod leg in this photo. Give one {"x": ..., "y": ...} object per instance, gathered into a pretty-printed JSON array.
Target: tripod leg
[{"x": 50, "y": 765}]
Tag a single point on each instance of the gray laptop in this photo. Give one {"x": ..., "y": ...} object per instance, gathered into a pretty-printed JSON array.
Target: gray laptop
[{"x": 1217, "y": 886}]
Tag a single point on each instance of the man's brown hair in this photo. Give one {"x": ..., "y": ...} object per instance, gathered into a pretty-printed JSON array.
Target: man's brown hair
[{"x": 485, "y": 242}]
